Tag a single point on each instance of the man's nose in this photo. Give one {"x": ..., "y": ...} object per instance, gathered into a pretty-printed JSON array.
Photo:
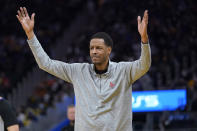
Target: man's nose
[{"x": 94, "y": 51}]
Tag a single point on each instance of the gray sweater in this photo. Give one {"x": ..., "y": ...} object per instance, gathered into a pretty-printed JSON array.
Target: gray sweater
[{"x": 103, "y": 101}]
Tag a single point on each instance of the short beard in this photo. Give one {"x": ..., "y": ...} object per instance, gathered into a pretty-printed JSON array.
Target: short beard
[{"x": 101, "y": 62}]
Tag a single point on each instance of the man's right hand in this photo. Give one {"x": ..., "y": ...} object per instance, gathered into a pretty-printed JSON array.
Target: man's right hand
[{"x": 26, "y": 22}]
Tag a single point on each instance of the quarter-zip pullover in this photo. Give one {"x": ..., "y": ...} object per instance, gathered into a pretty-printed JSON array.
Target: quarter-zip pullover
[{"x": 103, "y": 101}]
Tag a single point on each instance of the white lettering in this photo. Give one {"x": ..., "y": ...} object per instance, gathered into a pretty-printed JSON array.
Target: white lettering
[{"x": 148, "y": 100}]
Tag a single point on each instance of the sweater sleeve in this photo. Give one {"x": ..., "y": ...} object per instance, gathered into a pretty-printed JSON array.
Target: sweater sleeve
[
  {"x": 7, "y": 113},
  {"x": 138, "y": 68},
  {"x": 57, "y": 68}
]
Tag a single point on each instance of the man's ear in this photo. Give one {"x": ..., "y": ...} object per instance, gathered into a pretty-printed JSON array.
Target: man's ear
[{"x": 109, "y": 49}]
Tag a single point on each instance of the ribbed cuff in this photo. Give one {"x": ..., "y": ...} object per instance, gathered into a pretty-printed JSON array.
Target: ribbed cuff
[
  {"x": 144, "y": 44},
  {"x": 33, "y": 41}
]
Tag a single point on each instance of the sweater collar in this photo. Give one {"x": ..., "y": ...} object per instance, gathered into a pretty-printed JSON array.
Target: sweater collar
[{"x": 106, "y": 73}]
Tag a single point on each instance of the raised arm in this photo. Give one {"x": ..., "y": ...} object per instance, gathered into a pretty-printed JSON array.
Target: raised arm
[
  {"x": 54, "y": 67},
  {"x": 142, "y": 65},
  {"x": 139, "y": 67}
]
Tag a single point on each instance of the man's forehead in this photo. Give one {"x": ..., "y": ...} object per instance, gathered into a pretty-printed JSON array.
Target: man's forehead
[
  {"x": 97, "y": 40},
  {"x": 71, "y": 109}
]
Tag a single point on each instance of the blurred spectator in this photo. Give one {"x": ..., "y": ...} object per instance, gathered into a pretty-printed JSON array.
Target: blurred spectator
[
  {"x": 46, "y": 95},
  {"x": 71, "y": 118}
]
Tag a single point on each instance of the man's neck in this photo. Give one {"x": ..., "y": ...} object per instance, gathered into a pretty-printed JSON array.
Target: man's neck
[
  {"x": 72, "y": 123},
  {"x": 100, "y": 69}
]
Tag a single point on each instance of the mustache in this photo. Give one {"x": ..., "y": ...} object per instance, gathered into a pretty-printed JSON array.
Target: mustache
[{"x": 95, "y": 56}]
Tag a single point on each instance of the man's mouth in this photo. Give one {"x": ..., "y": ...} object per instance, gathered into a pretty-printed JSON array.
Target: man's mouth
[{"x": 95, "y": 57}]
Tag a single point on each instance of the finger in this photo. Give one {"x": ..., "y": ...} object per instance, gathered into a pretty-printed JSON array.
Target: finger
[
  {"x": 145, "y": 16},
  {"x": 19, "y": 14},
  {"x": 26, "y": 13},
  {"x": 18, "y": 18},
  {"x": 32, "y": 16},
  {"x": 22, "y": 12},
  {"x": 139, "y": 20},
  {"x": 145, "y": 12}
]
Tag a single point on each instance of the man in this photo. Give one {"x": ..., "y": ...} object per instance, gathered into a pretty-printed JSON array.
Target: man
[
  {"x": 8, "y": 121},
  {"x": 102, "y": 89},
  {"x": 71, "y": 118}
]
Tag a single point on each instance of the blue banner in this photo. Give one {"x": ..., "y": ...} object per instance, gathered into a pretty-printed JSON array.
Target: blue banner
[{"x": 160, "y": 100}]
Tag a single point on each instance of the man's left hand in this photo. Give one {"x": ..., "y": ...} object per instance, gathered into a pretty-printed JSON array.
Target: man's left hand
[{"x": 142, "y": 27}]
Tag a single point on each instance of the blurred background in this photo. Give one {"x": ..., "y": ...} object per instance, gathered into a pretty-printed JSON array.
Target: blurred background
[{"x": 64, "y": 28}]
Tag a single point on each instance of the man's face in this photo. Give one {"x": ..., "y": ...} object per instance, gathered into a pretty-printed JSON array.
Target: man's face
[
  {"x": 99, "y": 51},
  {"x": 71, "y": 113}
]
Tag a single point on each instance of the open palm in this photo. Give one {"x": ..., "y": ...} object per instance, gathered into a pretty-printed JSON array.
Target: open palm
[
  {"x": 142, "y": 24},
  {"x": 26, "y": 22}
]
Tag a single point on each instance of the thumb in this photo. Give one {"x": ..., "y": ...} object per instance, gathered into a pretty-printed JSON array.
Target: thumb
[
  {"x": 32, "y": 16},
  {"x": 139, "y": 20}
]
